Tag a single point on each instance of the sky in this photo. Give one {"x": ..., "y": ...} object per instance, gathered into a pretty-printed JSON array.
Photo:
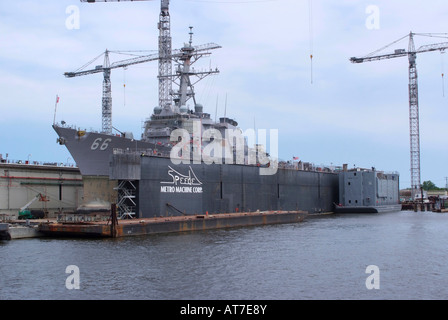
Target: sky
[{"x": 326, "y": 109}]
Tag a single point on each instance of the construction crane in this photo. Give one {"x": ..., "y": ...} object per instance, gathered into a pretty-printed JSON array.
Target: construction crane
[
  {"x": 107, "y": 88},
  {"x": 165, "y": 56},
  {"x": 411, "y": 53},
  {"x": 165, "y": 63}
]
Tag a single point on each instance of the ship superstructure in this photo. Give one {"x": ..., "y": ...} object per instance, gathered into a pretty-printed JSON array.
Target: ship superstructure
[{"x": 92, "y": 150}]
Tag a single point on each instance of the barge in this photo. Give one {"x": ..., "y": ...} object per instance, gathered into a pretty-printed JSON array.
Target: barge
[{"x": 115, "y": 228}]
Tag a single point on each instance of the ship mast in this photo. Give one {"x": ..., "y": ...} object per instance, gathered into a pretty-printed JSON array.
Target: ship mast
[
  {"x": 184, "y": 74},
  {"x": 188, "y": 55}
]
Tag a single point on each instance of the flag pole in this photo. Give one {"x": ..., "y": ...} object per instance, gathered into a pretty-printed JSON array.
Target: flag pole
[{"x": 55, "y": 107}]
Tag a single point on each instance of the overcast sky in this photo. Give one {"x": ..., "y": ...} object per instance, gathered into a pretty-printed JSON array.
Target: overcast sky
[{"x": 340, "y": 113}]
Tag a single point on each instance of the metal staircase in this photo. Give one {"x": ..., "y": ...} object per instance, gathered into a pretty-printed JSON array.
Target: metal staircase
[{"x": 126, "y": 204}]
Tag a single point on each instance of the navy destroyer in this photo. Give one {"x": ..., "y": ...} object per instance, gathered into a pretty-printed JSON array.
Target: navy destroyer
[{"x": 167, "y": 174}]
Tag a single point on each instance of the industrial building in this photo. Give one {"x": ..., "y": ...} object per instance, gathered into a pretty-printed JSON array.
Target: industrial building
[{"x": 50, "y": 188}]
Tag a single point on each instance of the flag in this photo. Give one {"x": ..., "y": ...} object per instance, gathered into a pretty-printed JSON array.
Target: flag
[
  {"x": 57, "y": 99},
  {"x": 295, "y": 158}
]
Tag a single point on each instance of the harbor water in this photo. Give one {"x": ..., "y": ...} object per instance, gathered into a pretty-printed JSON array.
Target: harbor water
[{"x": 325, "y": 257}]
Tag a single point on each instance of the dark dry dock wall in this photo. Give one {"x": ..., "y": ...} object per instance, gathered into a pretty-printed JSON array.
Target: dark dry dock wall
[{"x": 166, "y": 189}]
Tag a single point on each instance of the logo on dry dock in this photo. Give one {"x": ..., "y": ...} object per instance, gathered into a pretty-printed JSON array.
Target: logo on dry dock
[{"x": 181, "y": 183}]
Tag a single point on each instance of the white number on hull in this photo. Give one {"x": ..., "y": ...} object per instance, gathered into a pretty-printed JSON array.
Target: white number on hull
[{"x": 97, "y": 143}]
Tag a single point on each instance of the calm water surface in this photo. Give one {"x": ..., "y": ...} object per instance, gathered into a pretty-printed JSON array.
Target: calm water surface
[{"x": 321, "y": 258}]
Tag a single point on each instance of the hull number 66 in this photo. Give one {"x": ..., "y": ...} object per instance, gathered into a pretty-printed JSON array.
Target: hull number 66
[{"x": 99, "y": 143}]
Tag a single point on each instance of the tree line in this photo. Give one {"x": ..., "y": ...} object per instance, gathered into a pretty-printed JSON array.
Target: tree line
[{"x": 429, "y": 185}]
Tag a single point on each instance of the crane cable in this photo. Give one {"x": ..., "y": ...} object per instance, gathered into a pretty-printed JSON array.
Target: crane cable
[
  {"x": 443, "y": 75},
  {"x": 310, "y": 17},
  {"x": 124, "y": 86}
]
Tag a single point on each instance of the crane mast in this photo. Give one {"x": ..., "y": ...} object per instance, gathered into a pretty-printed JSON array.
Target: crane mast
[
  {"x": 414, "y": 130},
  {"x": 106, "y": 69},
  {"x": 107, "y": 97},
  {"x": 165, "y": 61},
  {"x": 414, "y": 123},
  {"x": 165, "y": 64}
]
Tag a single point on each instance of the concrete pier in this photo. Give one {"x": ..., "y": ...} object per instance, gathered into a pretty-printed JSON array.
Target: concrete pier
[
  {"x": 418, "y": 206},
  {"x": 19, "y": 231}
]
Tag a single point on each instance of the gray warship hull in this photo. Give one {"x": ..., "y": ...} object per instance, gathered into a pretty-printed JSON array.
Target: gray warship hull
[{"x": 92, "y": 150}]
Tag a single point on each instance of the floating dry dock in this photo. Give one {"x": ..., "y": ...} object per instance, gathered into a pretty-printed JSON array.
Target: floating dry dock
[{"x": 134, "y": 227}]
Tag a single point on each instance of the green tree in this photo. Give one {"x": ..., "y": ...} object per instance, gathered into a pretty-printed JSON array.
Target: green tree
[{"x": 429, "y": 185}]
